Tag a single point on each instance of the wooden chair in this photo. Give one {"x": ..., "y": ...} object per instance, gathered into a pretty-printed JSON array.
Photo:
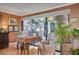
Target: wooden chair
[
  {"x": 23, "y": 45},
  {"x": 41, "y": 45},
  {"x": 36, "y": 40}
]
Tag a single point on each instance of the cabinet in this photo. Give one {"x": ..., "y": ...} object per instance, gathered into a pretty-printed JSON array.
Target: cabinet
[{"x": 4, "y": 40}]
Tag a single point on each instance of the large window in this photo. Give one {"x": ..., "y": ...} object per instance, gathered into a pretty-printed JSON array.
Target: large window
[{"x": 42, "y": 26}]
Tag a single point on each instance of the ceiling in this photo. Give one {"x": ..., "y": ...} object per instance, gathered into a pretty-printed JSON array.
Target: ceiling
[{"x": 21, "y": 9}]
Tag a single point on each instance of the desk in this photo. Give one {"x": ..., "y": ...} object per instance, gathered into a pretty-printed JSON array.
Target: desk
[{"x": 28, "y": 41}]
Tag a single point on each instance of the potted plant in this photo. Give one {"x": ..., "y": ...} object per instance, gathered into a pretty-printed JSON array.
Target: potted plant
[
  {"x": 75, "y": 32},
  {"x": 76, "y": 41},
  {"x": 62, "y": 33}
]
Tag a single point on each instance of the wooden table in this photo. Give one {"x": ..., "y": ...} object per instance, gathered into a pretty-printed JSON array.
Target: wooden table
[{"x": 28, "y": 41}]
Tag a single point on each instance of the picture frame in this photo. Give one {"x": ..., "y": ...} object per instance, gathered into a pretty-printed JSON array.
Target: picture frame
[
  {"x": 10, "y": 28},
  {"x": 12, "y": 21},
  {"x": 16, "y": 28}
]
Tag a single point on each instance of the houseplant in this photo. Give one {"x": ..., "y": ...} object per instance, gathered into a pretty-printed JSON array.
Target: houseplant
[
  {"x": 63, "y": 35},
  {"x": 75, "y": 32},
  {"x": 62, "y": 32},
  {"x": 76, "y": 37}
]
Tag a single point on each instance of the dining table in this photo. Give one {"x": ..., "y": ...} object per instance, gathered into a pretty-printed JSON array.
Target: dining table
[{"x": 24, "y": 43}]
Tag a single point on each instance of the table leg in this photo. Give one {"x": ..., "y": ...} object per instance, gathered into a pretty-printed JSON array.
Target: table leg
[
  {"x": 24, "y": 52},
  {"x": 17, "y": 47},
  {"x": 38, "y": 51},
  {"x": 21, "y": 51},
  {"x": 28, "y": 49}
]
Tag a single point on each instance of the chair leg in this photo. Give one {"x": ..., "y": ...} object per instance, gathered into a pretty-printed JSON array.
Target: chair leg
[
  {"x": 43, "y": 46},
  {"x": 28, "y": 49},
  {"x": 17, "y": 48},
  {"x": 17, "y": 51},
  {"x": 24, "y": 51},
  {"x": 38, "y": 51},
  {"x": 21, "y": 51}
]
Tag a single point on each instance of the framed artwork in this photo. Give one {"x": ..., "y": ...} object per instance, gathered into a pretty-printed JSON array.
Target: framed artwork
[
  {"x": 10, "y": 28},
  {"x": 16, "y": 28},
  {"x": 12, "y": 21}
]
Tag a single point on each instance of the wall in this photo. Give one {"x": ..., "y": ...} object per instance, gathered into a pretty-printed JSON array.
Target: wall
[
  {"x": 5, "y": 22},
  {"x": 74, "y": 9}
]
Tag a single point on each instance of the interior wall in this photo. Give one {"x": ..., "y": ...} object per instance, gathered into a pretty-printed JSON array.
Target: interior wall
[
  {"x": 74, "y": 9},
  {"x": 5, "y": 22}
]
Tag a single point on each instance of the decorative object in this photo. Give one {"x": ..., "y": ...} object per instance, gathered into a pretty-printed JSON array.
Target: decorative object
[
  {"x": 16, "y": 28},
  {"x": 12, "y": 21},
  {"x": 10, "y": 28}
]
